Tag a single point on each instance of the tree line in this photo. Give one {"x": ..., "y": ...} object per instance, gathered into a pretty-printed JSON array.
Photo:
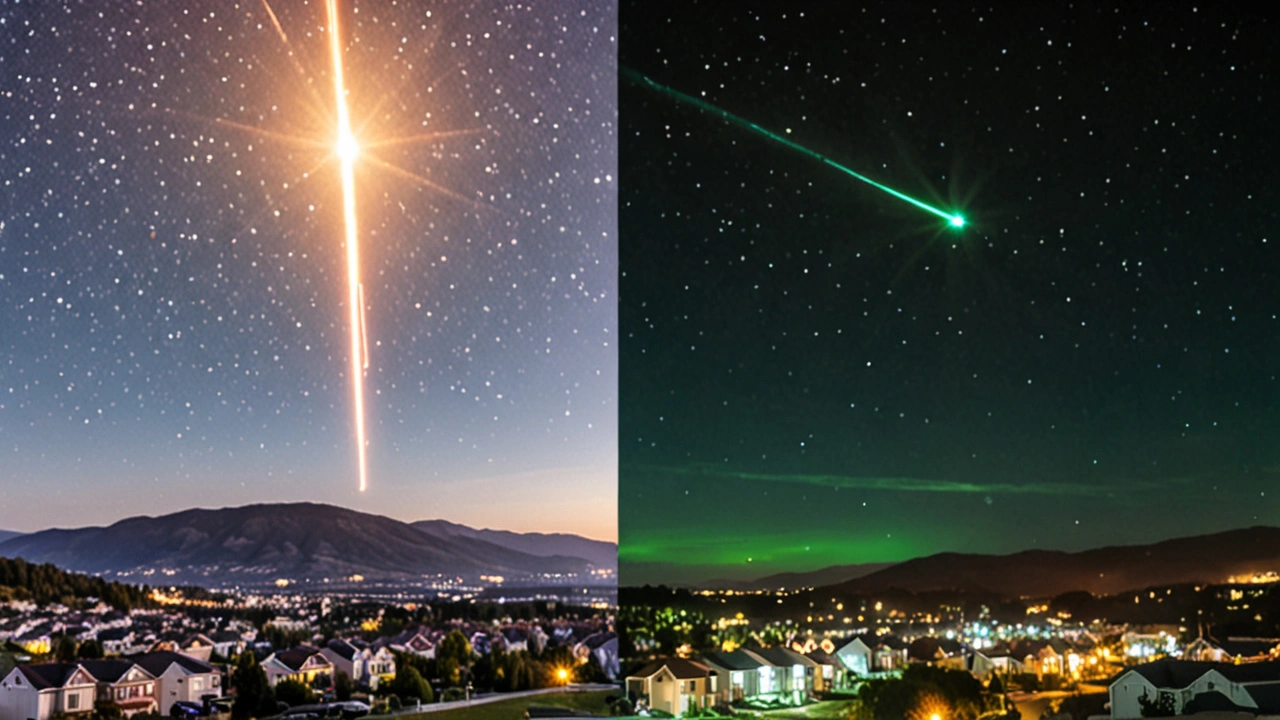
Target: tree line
[{"x": 45, "y": 584}]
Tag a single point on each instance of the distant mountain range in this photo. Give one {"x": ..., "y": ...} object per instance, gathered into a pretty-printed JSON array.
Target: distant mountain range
[
  {"x": 789, "y": 581},
  {"x": 597, "y": 552},
  {"x": 258, "y": 544},
  {"x": 7, "y": 534},
  {"x": 1103, "y": 571}
]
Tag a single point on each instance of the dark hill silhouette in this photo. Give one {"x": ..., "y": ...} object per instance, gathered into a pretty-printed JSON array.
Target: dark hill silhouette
[
  {"x": 1102, "y": 571},
  {"x": 259, "y": 543},
  {"x": 599, "y": 553}
]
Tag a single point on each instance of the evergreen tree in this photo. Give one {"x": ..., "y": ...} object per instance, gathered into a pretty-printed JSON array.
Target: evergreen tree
[{"x": 254, "y": 697}]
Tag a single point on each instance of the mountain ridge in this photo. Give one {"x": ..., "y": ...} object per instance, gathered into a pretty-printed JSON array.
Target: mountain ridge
[
  {"x": 256, "y": 544},
  {"x": 1106, "y": 570}
]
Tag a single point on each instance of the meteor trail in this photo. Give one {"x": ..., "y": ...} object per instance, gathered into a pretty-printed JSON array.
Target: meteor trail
[
  {"x": 347, "y": 149},
  {"x": 953, "y": 219}
]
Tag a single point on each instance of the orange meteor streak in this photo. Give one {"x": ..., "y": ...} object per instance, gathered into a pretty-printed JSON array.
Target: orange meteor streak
[{"x": 347, "y": 150}]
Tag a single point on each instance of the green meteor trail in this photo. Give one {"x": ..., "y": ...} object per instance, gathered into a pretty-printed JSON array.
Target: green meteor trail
[{"x": 954, "y": 220}]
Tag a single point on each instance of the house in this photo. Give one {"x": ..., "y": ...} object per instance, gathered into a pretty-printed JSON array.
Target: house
[
  {"x": 738, "y": 673},
  {"x": 936, "y": 651},
  {"x": 303, "y": 663},
  {"x": 856, "y": 656},
  {"x": 673, "y": 685},
  {"x": 180, "y": 677},
  {"x": 792, "y": 673},
  {"x": 198, "y": 646},
  {"x": 830, "y": 674},
  {"x": 39, "y": 691},
  {"x": 366, "y": 666},
  {"x": 1233, "y": 649},
  {"x": 603, "y": 646},
  {"x": 891, "y": 653},
  {"x": 116, "y": 640},
  {"x": 125, "y": 684},
  {"x": 228, "y": 643},
  {"x": 996, "y": 659},
  {"x": 415, "y": 641},
  {"x": 1186, "y": 686}
]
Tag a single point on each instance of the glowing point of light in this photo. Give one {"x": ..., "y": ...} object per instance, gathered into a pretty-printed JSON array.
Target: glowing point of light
[
  {"x": 954, "y": 220},
  {"x": 347, "y": 150}
]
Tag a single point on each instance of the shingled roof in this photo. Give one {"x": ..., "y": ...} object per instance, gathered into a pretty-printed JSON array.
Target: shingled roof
[{"x": 681, "y": 668}]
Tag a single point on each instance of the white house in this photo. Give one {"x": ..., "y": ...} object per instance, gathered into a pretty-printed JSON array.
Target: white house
[
  {"x": 856, "y": 656},
  {"x": 35, "y": 692},
  {"x": 180, "y": 677},
  {"x": 673, "y": 685},
  {"x": 738, "y": 672},
  {"x": 1200, "y": 685}
]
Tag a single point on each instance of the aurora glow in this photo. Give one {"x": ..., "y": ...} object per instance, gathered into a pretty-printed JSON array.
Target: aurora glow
[{"x": 953, "y": 219}]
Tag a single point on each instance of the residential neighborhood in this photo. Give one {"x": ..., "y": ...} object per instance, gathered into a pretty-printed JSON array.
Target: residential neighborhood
[
  {"x": 1037, "y": 658},
  {"x": 187, "y": 651}
]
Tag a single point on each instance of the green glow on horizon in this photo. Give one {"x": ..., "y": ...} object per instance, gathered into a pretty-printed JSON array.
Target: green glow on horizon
[{"x": 954, "y": 220}]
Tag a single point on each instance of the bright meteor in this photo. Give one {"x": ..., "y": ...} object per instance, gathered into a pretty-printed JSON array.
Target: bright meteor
[
  {"x": 953, "y": 219},
  {"x": 347, "y": 149}
]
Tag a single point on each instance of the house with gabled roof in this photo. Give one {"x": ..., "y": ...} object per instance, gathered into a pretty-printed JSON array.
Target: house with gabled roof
[
  {"x": 180, "y": 677},
  {"x": 856, "y": 655},
  {"x": 1188, "y": 685},
  {"x": 197, "y": 645},
  {"x": 125, "y": 684},
  {"x": 365, "y": 665},
  {"x": 792, "y": 673},
  {"x": 1233, "y": 649},
  {"x": 830, "y": 672},
  {"x": 603, "y": 646},
  {"x": 416, "y": 641},
  {"x": 673, "y": 685},
  {"x": 42, "y": 690},
  {"x": 303, "y": 663},
  {"x": 738, "y": 673}
]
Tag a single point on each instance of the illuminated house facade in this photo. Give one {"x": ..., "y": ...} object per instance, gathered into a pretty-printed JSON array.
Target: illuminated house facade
[
  {"x": 673, "y": 685},
  {"x": 790, "y": 673},
  {"x": 738, "y": 673},
  {"x": 303, "y": 663}
]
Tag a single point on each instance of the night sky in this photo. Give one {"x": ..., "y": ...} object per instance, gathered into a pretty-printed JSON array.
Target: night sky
[
  {"x": 173, "y": 307},
  {"x": 813, "y": 372}
]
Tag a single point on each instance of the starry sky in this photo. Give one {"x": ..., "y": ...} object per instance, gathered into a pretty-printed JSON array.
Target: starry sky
[
  {"x": 813, "y": 372},
  {"x": 173, "y": 291}
]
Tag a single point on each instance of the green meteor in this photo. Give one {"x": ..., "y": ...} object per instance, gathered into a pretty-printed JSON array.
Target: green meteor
[{"x": 954, "y": 220}]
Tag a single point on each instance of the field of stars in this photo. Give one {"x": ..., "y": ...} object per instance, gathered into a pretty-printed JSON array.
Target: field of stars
[
  {"x": 173, "y": 288},
  {"x": 815, "y": 373}
]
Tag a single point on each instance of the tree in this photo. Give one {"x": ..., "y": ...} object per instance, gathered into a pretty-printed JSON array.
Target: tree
[
  {"x": 456, "y": 648},
  {"x": 254, "y": 697},
  {"x": 1161, "y": 706},
  {"x": 294, "y": 692},
  {"x": 90, "y": 650},
  {"x": 106, "y": 710},
  {"x": 64, "y": 648},
  {"x": 343, "y": 686},
  {"x": 408, "y": 683}
]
